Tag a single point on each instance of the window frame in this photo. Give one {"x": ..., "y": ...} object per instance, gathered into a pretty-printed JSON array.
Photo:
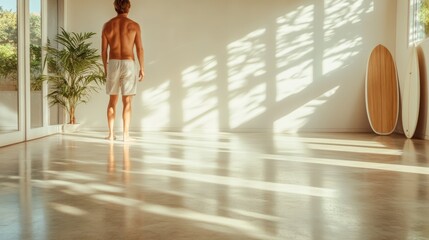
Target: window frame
[{"x": 416, "y": 30}]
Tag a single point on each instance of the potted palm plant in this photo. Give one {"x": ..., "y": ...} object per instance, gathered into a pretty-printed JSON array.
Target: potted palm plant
[{"x": 74, "y": 71}]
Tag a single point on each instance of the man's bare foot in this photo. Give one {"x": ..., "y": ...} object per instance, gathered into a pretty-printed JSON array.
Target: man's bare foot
[
  {"x": 127, "y": 138},
  {"x": 110, "y": 138}
]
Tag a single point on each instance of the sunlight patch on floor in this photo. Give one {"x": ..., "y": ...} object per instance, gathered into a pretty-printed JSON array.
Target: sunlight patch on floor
[
  {"x": 243, "y": 227},
  {"x": 243, "y": 183},
  {"x": 355, "y": 149},
  {"x": 347, "y": 142},
  {"x": 68, "y": 209},
  {"x": 351, "y": 163}
]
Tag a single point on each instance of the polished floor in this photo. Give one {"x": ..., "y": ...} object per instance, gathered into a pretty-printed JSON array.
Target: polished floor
[{"x": 216, "y": 186}]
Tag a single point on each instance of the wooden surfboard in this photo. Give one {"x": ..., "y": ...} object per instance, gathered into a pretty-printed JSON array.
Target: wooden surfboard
[
  {"x": 410, "y": 95},
  {"x": 382, "y": 91}
]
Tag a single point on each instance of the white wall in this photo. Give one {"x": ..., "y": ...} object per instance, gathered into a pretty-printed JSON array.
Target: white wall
[{"x": 247, "y": 65}]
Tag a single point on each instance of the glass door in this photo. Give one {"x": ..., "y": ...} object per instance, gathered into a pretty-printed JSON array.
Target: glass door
[
  {"x": 36, "y": 88},
  {"x": 37, "y": 109},
  {"x": 24, "y": 111},
  {"x": 11, "y": 87},
  {"x": 55, "y": 116}
]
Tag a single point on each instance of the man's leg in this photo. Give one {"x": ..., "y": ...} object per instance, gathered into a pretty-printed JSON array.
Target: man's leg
[
  {"x": 126, "y": 116},
  {"x": 111, "y": 112}
]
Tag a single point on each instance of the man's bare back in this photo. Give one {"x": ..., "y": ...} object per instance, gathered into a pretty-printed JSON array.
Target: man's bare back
[{"x": 120, "y": 34}]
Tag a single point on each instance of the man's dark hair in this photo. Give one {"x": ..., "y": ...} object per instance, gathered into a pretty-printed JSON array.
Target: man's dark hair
[{"x": 122, "y": 6}]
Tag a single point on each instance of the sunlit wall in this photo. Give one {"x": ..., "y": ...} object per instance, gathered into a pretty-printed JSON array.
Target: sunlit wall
[{"x": 246, "y": 65}]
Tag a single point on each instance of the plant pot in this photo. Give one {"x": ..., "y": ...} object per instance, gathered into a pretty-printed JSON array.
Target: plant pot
[{"x": 70, "y": 128}]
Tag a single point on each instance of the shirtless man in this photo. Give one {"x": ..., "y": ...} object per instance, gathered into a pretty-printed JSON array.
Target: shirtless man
[{"x": 120, "y": 34}]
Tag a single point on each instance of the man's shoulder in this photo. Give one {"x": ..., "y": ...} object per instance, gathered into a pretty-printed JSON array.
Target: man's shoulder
[
  {"x": 106, "y": 24},
  {"x": 111, "y": 20},
  {"x": 133, "y": 22},
  {"x": 127, "y": 21}
]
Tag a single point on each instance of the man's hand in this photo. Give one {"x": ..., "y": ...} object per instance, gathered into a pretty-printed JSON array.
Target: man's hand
[{"x": 141, "y": 75}]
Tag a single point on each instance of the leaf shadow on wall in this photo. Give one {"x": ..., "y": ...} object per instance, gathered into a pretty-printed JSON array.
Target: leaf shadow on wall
[{"x": 286, "y": 73}]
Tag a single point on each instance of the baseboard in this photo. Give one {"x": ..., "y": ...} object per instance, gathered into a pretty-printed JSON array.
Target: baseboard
[{"x": 240, "y": 130}]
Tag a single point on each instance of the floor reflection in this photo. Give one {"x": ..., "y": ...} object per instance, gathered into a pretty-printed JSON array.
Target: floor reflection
[
  {"x": 126, "y": 164},
  {"x": 226, "y": 186}
]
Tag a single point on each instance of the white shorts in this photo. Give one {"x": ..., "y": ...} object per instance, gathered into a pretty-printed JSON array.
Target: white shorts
[{"x": 121, "y": 77}]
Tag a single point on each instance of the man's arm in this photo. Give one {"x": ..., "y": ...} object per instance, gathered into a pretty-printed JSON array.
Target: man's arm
[
  {"x": 140, "y": 52},
  {"x": 104, "y": 45}
]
